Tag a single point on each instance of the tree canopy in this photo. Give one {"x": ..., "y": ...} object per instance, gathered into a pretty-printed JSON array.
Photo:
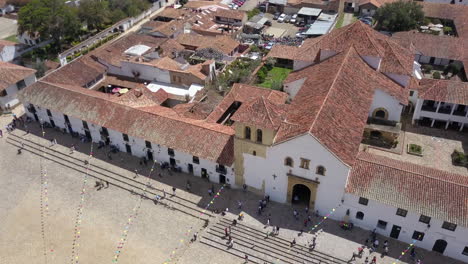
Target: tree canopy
[
  {"x": 399, "y": 16},
  {"x": 50, "y": 18}
]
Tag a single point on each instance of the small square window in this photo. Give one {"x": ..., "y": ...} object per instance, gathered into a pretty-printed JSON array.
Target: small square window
[
  {"x": 125, "y": 137},
  {"x": 382, "y": 224},
  {"x": 147, "y": 144},
  {"x": 363, "y": 201},
  {"x": 196, "y": 160},
  {"x": 424, "y": 219},
  {"x": 21, "y": 84},
  {"x": 170, "y": 152},
  {"x": 305, "y": 163},
  {"x": 418, "y": 235},
  {"x": 449, "y": 226},
  {"x": 465, "y": 251},
  {"x": 401, "y": 212},
  {"x": 411, "y": 93}
]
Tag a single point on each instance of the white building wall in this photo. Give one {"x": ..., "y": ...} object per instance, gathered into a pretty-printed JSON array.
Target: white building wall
[
  {"x": 383, "y": 100},
  {"x": 259, "y": 171},
  {"x": 293, "y": 88},
  {"x": 7, "y": 53},
  {"x": 147, "y": 72},
  {"x": 12, "y": 90},
  {"x": 457, "y": 240}
]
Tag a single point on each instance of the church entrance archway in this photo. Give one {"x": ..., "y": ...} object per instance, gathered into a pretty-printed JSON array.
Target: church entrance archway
[{"x": 301, "y": 194}]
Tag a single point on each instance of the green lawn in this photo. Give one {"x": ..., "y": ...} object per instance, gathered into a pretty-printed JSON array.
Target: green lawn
[
  {"x": 339, "y": 23},
  {"x": 12, "y": 38},
  {"x": 276, "y": 74}
]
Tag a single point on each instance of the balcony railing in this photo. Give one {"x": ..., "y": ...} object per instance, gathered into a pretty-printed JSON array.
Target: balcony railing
[
  {"x": 428, "y": 108},
  {"x": 459, "y": 113},
  {"x": 445, "y": 110}
]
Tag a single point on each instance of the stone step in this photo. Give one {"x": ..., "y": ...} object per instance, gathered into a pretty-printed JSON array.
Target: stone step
[{"x": 235, "y": 250}]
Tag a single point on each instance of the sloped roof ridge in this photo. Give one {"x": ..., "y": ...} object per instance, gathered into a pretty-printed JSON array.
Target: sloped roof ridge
[
  {"x": 396, "y": 54},
  {"x": 367, "y": 158},
  {"x": 182, "y": 119},
  {"x": 332, "y": 85},
  {"x": 362, "y": 26}
]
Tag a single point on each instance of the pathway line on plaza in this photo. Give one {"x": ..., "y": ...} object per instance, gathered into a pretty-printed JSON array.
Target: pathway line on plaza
[
  {"x": 44, "y": 197},
  {"x": 182, "y": 240},
  {"x": 132, "y": 217},
  {"x": 79, "y": 213}
]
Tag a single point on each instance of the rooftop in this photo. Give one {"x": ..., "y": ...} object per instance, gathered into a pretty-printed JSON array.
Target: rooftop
[
  {"x": 431, "y": 192},
  {"x": 444, "y": 91},
  {"x": 307, "y": 11},
  {"x": 11, "y": 74}
]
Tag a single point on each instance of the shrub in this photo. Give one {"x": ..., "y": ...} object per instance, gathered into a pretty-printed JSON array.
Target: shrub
[
  {"x": 448, "y": 30},
  {"x": 427, "y": 68},
  {"x": 435, "y": 21},
  {"x": 253, "y": 13},
  {"x": 459, "y": 158},
  {"x": 454, "y": 68},
  {"x": 436, "y": 75},
  {"x": 413, "y": 148},
  {"x": 254, "y": 48}
]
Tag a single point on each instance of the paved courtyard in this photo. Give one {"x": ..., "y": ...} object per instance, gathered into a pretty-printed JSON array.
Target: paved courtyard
[
  {"x": 8, "y": 27},
  {"x": 152, "y": 233}
]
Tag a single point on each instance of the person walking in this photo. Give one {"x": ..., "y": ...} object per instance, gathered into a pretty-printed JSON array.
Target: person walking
[
  {"x": 188, "y": 186},
  {"x": 246, "y": 258},
  {"x": 107, "y": 184},
  {"x": 1, "y": 133},
  {"x": 353, "y": 257},
  {"x": 376, "y": 244},
  {"x": 164, "y": 193},
  {"x": 244, "y": 187},
  {"x": 293, "y": 242},
  {"x": 226, "y": 233},
  {"x": 366, "y": 261},
  {"x": 374, "y": 260},
  {"x": 268, "y": 222},
  {"x": 72, "y": 149},
  {"x": 173, "y": 191},
  {"x": 307, "y": 210},
  {"x": 239, "y": 205},
  {"x": 385, "y": 253},
  {"x": 305, "y": 222},
  {"x": 277, "y": 230},
  {"x": 296, "y": 215},
  {"x": 136, "y": 174},
  {"x": 210, "y": 192}
]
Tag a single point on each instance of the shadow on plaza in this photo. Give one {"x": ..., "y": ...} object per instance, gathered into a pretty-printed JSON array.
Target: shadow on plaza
[{"x": 280, "y": 214}]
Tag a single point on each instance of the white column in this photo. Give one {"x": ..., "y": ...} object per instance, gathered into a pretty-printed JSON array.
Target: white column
[
  {"x": 453, "y": 108},
  {"x": 461, "y": 127},
  {"x": 447, "y": 124},
  {"x": 432, "y": 124},
  {"x": 438, "y": 106}
]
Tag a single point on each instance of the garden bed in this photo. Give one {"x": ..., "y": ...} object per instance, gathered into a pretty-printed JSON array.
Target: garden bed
[
  {"x": 414, "y": 149},
  {"x": 459, "y": 159},
  {"x": 273, "y": 78}
]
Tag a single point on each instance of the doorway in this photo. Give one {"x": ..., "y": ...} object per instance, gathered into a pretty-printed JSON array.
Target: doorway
[
  {"x": 35, "y": 117},
  {"x": 128, "y": 148},
  {"x": 87, "y": 133},
  {"x": 190, "y": 168},
  {"x": 172, "y": 162},
  {"x": 52, "y": 123},
  {"x": 300, "y": 194},
  {"x": 222, "y": 178},
  {"x": 440, "y": 246},
  {"x": 204, "y": 173},
  {"x": 395, "y": 231},
  {"x": 149, "y": 154}
]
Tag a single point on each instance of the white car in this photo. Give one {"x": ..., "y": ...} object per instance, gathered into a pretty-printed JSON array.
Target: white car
[
  {"x": 293, "y": 19},
  {"x": 281, "y": 18}
]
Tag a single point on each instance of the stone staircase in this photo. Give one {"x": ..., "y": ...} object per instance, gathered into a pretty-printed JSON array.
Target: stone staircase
[{"x": 252, "y": 242}]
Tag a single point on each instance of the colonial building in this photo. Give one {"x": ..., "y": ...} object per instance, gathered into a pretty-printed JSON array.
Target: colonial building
[
  {"x": 13, "y": 78},
  {"x": 301, "y": 145}
]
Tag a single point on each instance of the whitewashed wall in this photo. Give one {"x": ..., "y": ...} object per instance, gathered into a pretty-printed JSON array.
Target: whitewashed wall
[
  {"x": 259, "y": 171},
  {"x": 7, "y": 53},
  {"x": 12, "y": 90},
  {"x": 457, "y": 240},
  {"x": 147, "y": 72},
  {"x": 383, "y": 100}
]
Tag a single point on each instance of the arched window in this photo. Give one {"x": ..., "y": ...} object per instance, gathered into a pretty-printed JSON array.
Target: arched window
[
  {"x": 381, "y": 113},
  {"x": 320, "y": 170},
  {"x": 288, "y": 162},
  {"x": 247, "y": 132},
  {"x": 360, "y": 215},
  {"x": 259, "y": 135}
]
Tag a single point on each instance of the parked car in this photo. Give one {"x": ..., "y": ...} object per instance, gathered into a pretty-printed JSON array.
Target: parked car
[
  {"x": 276, "y": 16},
  {"x": 367, "y": 21},
  {"x": 287, "y": 19},
  {"x": 269, "y": 46},
  {"x": 301, "y": 35},
  {"x": 293, "y": 19},
  {"x": 300, "y": 22},
  {"x": 281, "y": 18}
]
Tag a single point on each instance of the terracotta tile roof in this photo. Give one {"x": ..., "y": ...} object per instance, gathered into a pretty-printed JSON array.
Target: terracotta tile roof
[
  {"x": 11, "y": 73},
  {"x": 261, "y": 113},
  {"x": 284, "y": 52},
  {"x": 245, "y": 94},
  {"x": 173, "y": 13},
  {"x": 431, "y": 192},
  {"x": 170, "y": 47},
  {"x": 334, "y": 101},
  {"x": 363, "y": 38},
  {"x": 224, "y": 44},
  {"x": 445, "y": 47},
  {"x": 166, "y": 63},
  {"x": 229, "y": 13},
  {"x": 204, "y": 4},
  {"x": 443, "y": 90},
  {"x": 153, "y": 24},
  {"x": 142, "y": 97},
  {"x": 113, "y": 53},
  {"x": 84, "y": 70},
  {"x": 376, "y": 3},
  {"x": 169, "y": 28},
  {"x": 156, "y": 123}
]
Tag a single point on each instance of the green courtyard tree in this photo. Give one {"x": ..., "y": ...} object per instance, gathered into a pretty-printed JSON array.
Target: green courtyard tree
[
  {"x": 399, "y": 16},
  {"x": 94, "y": 13},
  {"x": 50, "y": 18}
]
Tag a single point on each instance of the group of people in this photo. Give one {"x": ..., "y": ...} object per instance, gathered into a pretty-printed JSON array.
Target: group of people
[{"x": 101, "y": 184}]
